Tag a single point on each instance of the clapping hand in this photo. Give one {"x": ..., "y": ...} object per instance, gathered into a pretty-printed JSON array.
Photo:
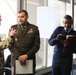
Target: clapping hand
[{"x": 13, "y": 32}]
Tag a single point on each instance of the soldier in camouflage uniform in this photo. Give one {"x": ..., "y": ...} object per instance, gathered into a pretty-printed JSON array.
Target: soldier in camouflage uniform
[{"x": 5, "y": 44}]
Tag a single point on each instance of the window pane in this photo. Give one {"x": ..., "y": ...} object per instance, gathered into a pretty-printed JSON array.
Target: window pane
[
  {"x": 57, "y": 9},
  {"x": 41, "y": 55}
]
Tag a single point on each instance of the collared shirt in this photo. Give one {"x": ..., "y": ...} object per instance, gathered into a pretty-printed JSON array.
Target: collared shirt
[
  {"x": 23, "y": 27},
  {"x": 67, "y": 30}
]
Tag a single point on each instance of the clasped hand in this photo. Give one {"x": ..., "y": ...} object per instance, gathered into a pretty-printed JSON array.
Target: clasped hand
[
  {"x": 22, "y": 59},
  {"x": 59, "y": 37}
]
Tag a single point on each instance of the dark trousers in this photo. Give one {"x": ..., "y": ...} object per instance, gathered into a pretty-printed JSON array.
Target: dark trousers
[
  {"x": 62, "y": 65},
  {"x": 59, "y": 71}
]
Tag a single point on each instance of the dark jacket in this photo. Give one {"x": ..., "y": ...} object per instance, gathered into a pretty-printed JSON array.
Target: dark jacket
[
  {"x": 58, "y": 43},
  {"x": 62, "y": 58},
  {"x": 27, "y": 41}
]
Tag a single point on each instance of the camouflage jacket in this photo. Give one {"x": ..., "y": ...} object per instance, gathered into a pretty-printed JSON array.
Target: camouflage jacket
[{"x": 4, "y": 44}]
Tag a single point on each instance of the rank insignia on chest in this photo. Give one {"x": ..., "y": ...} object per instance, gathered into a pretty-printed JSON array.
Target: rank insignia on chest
[{"x": 30, "y": 31}]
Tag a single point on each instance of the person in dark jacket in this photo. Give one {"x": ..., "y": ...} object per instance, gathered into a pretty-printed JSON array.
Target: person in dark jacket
[
  {"x": 26, "y": 42},
  {"x": 63, "y": 51}
]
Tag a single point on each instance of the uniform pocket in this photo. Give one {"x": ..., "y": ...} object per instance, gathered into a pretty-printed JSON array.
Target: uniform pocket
[{"x": 29, "y": 35}]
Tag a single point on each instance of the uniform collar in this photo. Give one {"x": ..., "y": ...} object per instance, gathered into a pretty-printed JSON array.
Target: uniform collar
[{"x": 68, "y": 30}]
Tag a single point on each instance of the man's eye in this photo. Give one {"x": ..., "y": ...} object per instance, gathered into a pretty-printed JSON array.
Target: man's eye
[{"x": 22, "y": 16}]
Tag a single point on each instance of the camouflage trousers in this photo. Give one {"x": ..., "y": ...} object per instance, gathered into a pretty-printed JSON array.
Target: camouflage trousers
[{"x": 1, "y": 73}]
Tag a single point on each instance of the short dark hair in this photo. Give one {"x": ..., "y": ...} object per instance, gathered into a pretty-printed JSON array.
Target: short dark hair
[
  {"x": 26, "y": 13},
  {"x": 68, "y": 17}
]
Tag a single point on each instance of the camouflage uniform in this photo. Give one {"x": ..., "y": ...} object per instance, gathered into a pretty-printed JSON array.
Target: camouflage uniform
[
  {"x": 1, "y": 61},
  {"x": 3, "y": 44}
]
